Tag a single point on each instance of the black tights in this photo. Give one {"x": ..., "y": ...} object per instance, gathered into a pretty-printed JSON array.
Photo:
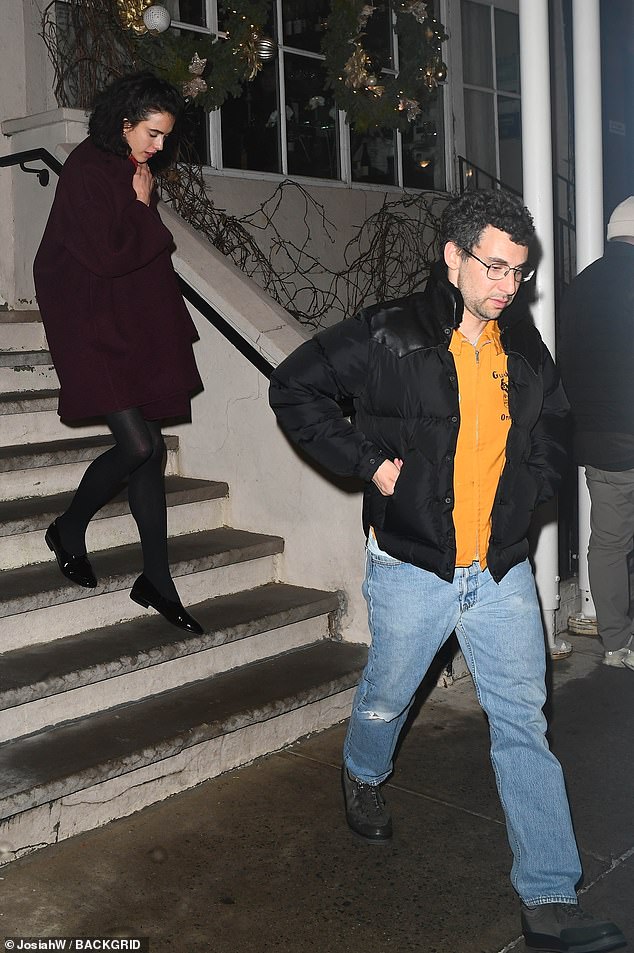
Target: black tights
[{"x": 138, "y": 458}]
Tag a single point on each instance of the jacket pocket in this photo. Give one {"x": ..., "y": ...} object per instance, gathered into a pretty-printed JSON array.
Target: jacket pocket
[{"x": 409, "y": 512}]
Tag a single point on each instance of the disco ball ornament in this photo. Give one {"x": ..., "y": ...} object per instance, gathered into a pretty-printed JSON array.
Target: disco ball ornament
[
  {"x": 266, "y": 48},
  {"x": 156, "y": 19}
]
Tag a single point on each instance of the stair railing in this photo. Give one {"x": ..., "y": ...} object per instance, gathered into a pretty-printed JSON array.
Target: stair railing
[
  {"x": 470, "y": 174},
  {"x": 33, "y": 155},
  {"x": 190, "y": 294}
]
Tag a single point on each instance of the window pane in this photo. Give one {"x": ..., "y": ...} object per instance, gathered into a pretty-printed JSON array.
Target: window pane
[
  {"x": 373, "y": 156},
  {"x": 225, "y": 7},
  {"x": 311, "y": 120},
  {"x": 423, "y": 150},
  {"x": 480, "y": 131},
  {"x": 195, "y": 137},
  {"x": 477, "y": 53},
  {"x": 378, "y": 37},
  {"x": 507, "y": 51},
  {"x": 250, "y": 125},
  {"x": 510, "y": 135},
  {"x": 187, "y": 11},
  {"x": 304, "y": 22}
]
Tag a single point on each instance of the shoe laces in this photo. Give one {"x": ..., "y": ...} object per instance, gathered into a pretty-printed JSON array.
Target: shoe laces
[
  {"x": 370, "y": 796},
  {"x": 572, "y": 911}
]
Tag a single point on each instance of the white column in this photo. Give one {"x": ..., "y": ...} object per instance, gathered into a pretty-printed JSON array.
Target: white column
[
  {"x": 586, "y": 37},
  {"x": 537, "y": 159}
]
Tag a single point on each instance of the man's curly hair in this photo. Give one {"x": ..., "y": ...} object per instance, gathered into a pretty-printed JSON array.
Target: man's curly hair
[
  {"x": 465, "y": 218},
  {"x": 133, "y": 98}
]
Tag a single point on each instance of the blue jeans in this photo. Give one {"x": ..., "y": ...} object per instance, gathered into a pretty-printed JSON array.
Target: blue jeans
[{"x": 411, "y": 614}]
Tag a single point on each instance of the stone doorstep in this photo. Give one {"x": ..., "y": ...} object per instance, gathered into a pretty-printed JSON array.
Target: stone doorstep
[
  {"x": 27, "y": 402},
  {"x": 21, "y": 359},
  {"x": 40, "y": 671},
  {"x": 37, "y": 512},
  {"x": 58, "y": 452},
  {"x": 58, "y": 761},
  {"x": 42, "y": 585}
]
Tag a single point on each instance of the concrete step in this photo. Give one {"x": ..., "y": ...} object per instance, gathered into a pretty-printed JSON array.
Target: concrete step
[
  {"x": 203, "y": 564},
  {"x": 192, "y": 505},
  {"x": 32, "y": 417},
  {"x": 73, "y": 677},
  {"x": 22, "y": 331},
  {"x": 56, "y": 466},
  {"x": 19, "y": 317},
  {"x": 26, "y": 371},
  {"x": 81, "y": 775},
  {"x": 24, "y": 402}
]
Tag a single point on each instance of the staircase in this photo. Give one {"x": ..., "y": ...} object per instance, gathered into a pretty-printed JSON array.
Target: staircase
[{"x": 105, "y": 707}]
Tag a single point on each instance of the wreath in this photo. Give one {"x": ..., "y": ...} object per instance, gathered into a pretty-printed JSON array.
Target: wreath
[
  {"x": 210, "y": 68},
  {"x": 371, "y": 94}
]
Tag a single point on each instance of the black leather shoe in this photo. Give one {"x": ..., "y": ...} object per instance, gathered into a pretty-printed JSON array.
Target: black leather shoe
[
  {"x": 147, "y": 595},
  {"x": 366, "y": 812},
  {"x": 565, "y": 928},
  {"x": 75, "y": 568}
]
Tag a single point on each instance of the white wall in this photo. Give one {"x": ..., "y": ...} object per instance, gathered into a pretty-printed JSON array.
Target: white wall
[
  {"x": 25, "y": 87},
  {"x": 319, "y": 222}
]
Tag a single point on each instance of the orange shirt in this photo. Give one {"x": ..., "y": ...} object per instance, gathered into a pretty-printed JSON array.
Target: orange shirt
[{"x": 480, "y": 452}]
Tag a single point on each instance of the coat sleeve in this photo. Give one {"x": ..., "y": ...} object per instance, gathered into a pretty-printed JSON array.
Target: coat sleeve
[
  {"x": 107, "y": 229},
  {"x": 550, "y": 438},
  {"x": 306, "y": 390}
]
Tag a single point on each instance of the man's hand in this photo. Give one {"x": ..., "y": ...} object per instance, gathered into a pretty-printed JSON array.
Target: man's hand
[
  {"x": 386, "y": 476},
  {"x": 143, "y": 183}
]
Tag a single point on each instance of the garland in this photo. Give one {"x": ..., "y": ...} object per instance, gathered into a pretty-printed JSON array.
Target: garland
[
  {"x": 232, "y": 59},
  {"x": 210, "y": 69},
  {"x": 370, "y": 97}
]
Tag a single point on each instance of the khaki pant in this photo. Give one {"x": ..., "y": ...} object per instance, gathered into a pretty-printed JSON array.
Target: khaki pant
[{"x": 611, "y": 543}]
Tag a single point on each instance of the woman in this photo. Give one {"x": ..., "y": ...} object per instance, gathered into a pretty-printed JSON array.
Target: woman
[{"x": 118, "y": 330}]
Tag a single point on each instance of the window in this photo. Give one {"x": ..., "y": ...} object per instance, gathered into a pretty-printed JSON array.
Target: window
[
  {"x": 286, "y": 123},
  {"x": 492, "y": 132}
]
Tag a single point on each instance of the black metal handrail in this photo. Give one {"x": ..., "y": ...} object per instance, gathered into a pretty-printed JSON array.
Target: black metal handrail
[
  {"x": 469, "y": 178},
  {"x": 33, "y": 155},
  {"x": 190, "y": 294},
  {"x": 234, "y": 337}
]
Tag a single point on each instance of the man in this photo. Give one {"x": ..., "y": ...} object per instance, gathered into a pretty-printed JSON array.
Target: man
[
  {"x": 458, "y": 432},
  {"x": 597, "y": 325}
]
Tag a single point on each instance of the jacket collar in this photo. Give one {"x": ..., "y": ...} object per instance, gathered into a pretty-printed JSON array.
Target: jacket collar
[{"x": 517, "y": 332}]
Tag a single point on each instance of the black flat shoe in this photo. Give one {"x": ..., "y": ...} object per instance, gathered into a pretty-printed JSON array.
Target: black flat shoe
[
  {"x": 146, "y": 595},
  {"x": 75, "y": 568}
]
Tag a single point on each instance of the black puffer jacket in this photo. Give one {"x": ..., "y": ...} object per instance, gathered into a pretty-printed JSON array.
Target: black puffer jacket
[
  {"x": 595, "y": 356},
  {"x": 393, "y": 360}
]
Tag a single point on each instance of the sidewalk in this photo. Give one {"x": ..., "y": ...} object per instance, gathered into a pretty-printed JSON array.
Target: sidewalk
[{"x": 260, "y": 860}]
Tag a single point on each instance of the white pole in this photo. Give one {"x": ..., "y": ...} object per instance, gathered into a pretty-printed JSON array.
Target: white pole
[
  {"x": 586, "y": 41},
  {"x": 537, "y": 159}
]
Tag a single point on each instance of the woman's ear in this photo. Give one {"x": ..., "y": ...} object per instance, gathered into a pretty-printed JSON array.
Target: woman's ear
[{"x": 127, "y": 126}]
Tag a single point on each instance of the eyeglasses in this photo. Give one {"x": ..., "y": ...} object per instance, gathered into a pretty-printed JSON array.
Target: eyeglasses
[{"x": 498, "y": 270}]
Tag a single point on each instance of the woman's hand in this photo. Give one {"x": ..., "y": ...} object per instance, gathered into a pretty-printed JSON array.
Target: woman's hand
[
  {"x": 386, "y": 476},
  {"x": 143, "y": 183}
]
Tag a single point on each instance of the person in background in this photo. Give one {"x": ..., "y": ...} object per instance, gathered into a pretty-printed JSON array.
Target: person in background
[
  {"x": 459, "y": 434},
  {"x": 595, "y": 355},
  {"x": 119, "y": 333}
]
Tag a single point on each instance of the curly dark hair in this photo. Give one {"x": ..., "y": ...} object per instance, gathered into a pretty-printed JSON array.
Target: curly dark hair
[
  {"x": 465, "y": 218},
  {"x": 133, "y": 98}
]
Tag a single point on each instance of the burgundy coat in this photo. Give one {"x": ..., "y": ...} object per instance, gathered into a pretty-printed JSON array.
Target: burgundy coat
[{"x": 118, "y": 330}]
